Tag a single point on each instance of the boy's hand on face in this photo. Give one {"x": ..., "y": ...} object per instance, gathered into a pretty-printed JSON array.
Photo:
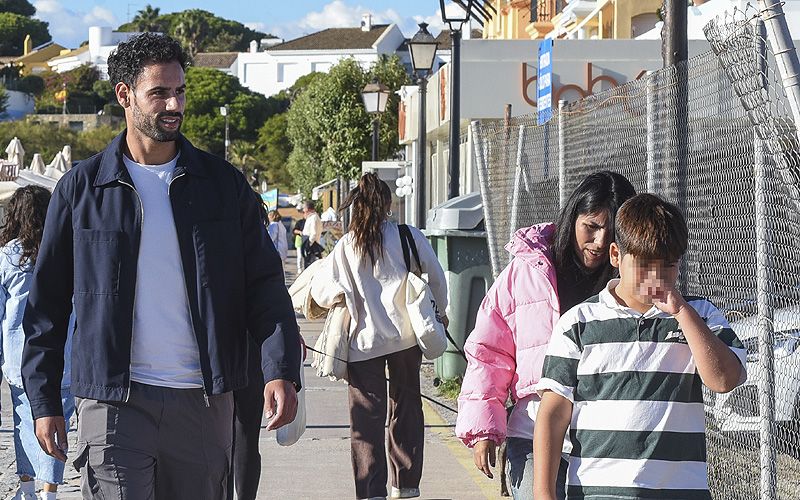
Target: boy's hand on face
[{"x": 670, "y": 301}]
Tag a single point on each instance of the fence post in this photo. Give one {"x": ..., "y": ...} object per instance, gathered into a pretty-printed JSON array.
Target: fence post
[
  {"x": 785, "y": 53},
  {"x": 562, "y": 155},
  {"x": 482, "y": 164},
  {"x": 652, "y": 119},
  {"x": 520, "y": 180},
  {"x": 766, "y": 354}
]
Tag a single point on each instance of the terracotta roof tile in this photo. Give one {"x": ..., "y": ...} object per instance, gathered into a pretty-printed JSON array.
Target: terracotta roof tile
[
  {"x": 335, "y": 39},
  {"x": 215, "y": 59}
]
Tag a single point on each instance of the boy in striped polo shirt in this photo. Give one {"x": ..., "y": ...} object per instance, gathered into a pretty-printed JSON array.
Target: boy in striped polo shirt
[{"x": 624, "y": 370}]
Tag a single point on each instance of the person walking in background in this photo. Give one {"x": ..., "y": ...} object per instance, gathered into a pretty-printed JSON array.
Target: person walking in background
[
  {"x": 165, "y": 304},
  {"x": 277, "y": 232},
  {"x": 20, "y": 237},
  {"x": 626, "y": 368},
  {"x": 312, "y": 234},
  {"x": 298, "y": 242},
  {"x": 367, "y": 266},
  {"x": 554, "y": 267}
]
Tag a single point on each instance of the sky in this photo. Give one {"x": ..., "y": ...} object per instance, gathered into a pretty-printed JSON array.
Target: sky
[{"x": 70, "y": 19}]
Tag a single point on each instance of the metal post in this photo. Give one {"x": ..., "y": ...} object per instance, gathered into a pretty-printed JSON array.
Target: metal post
[
  {"x": 652, "y": 119},
  {"x": 376, "y": 130},
  {"x": 227, "y": 140},
  {"x": 562, "y": 156},
  {"x": 482, "y": 164},
  {"x": 422, "y": 140},
  {"x": 764, "y": 250},
  {"x": 784, "y": 50},
  {"x": 455, "y": 114},
  {"x": 675, "y": 52},
  {"x": 520, "y": 183}
]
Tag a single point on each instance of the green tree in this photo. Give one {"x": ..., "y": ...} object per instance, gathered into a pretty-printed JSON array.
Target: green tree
[
  {"x": 221, "y": 35},
  {"x": 21, "y": 7},
  {"x": 391, "y": 72},
  {"x": 3, "y": 100},
  {"x": 32, "y": 84},
  {"x": 328, "y": 127},
  {"x": 147, "y": 19},
  {"x": 14, "y": 28},
  {"x": 191, "y": 30},
  {"x": 207, "y": 90},
  {"x": 276, "y": 148}
]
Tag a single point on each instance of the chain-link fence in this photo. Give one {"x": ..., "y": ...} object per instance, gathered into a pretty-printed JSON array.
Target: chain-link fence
[{"x": 738, "y": 185}]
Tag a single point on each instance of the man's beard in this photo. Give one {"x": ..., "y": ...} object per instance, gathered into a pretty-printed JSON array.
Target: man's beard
[{"x": 150, "y": 127}]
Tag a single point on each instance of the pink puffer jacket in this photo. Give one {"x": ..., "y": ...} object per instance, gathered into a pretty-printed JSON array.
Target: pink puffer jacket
[{"x": 507, "y": 347}]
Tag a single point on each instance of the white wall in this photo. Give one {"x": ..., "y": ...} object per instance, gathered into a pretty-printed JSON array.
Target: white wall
[
  {"x": 273, "y": 71},
  {"x": 19, "y": 105}
]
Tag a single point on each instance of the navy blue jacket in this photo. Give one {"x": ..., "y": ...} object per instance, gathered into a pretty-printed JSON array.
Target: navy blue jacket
[{"x": 90, "y": 248}]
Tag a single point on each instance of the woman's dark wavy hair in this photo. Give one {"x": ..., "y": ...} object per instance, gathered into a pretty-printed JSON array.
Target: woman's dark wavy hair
[
  {"x": 370, "y": 201},
  {"x": 127, "y": 61},
  {"x": 601, "y": 191},
  {"x": 24, "y": 220}
]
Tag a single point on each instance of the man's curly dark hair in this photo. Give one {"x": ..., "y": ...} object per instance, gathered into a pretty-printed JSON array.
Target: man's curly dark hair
[{"x": 127, "y": 61}]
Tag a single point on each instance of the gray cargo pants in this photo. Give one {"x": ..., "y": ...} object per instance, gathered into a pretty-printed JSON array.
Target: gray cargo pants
[{"x": 161, "y": 444}]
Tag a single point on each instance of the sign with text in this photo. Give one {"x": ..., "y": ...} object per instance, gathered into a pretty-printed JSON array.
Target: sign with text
[{"x": 544, "y": 82}]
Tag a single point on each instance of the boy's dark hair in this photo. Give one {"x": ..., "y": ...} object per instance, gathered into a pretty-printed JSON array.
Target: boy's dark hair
[
  {"x": 127, "y": 61},
  {"x": 651, "y": 228}
]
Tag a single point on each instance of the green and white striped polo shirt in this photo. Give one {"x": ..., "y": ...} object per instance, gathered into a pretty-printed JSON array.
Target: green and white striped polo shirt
[{"x": 638, "y": 426}]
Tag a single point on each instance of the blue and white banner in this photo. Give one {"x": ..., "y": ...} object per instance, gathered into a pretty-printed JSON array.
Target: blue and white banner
[{"x": 544, "y": 81}]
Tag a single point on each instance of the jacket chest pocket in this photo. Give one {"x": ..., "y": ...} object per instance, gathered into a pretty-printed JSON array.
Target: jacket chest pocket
[
  {"x": 217, "y": 250},
  {"x": 97, "y": 261}
]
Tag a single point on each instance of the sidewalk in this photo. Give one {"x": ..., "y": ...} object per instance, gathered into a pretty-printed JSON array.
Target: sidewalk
[{"x": 317, "y": 466}]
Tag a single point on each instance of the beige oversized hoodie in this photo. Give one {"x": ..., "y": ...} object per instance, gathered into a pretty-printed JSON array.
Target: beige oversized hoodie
[{"x": 375, "y": 292}]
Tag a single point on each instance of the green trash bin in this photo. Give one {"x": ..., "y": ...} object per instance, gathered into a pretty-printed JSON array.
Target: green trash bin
[{"x": 456, "y": 232}]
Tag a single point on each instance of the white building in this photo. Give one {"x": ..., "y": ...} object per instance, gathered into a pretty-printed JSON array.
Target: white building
[
  {"x": 279, "y": 66},
  {"x": 102, "y": 40}
]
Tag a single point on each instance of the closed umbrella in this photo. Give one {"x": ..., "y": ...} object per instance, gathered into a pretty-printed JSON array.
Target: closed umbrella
[
  {"x": 37, "y": 164},
  {"x": 57, "y": 167},
  {"x": 67, "y": 153},
  {"x": 15, "y": 152}
]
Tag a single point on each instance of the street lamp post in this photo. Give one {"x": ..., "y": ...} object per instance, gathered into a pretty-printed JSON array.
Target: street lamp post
[
  {"x": 456, "y": 23},
  {"x": 223, "y": 110},
  {"x": 375, "y": 96},
  {"x": 422, "y": 49}
]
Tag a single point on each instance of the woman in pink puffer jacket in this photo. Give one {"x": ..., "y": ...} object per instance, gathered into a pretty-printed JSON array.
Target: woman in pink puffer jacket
[{"x": 554, "y": 268}]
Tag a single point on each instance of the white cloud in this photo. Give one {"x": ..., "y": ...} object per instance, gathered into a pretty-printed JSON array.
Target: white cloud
[
  {"x": 71, "y": 27},
  {"x": 256, "y": 26},
  {"x": 340, "y": 14}
]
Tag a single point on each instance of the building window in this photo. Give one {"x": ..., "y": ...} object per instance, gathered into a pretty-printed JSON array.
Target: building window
[{"x": 76, "y": 126}]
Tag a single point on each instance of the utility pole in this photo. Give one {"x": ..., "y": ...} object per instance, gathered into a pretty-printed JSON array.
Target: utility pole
[{"x": 675, "y": 53}]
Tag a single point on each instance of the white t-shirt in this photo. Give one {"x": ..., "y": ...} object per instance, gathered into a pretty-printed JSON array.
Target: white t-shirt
[
  {"x": 164, "y": 350},
  {"x": 313, "y": 228}
]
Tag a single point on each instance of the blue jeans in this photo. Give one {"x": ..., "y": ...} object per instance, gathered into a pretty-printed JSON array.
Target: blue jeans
[
  {"x": 31, "y": 459},
  {"x": 519, "y": 470}
]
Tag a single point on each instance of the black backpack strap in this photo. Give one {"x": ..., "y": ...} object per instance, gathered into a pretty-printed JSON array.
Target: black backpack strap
[
  {"x": 407, "y": 239},
  {"x": 406, "y": 252}
]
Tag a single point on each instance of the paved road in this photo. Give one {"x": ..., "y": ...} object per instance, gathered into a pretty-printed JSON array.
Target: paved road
[{"x": 318, "y": 466}]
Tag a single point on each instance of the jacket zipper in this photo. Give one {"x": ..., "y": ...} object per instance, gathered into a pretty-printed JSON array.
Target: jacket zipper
[
  {"x": 186, "y": 290},
  {"x": 130, "y": 350}
]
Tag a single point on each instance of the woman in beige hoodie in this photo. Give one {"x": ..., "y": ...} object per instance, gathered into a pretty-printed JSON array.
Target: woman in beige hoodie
[{"x": 368, "y": 268}]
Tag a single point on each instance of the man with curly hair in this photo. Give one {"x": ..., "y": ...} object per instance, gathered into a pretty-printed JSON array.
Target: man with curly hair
[{"x": 165, "y": 251}]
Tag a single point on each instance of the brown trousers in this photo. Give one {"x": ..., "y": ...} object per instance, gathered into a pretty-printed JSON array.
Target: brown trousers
[{"x": 367, "y": 396}]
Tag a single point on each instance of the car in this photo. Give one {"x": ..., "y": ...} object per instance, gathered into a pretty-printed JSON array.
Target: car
[{"x": 739, "y": 409}]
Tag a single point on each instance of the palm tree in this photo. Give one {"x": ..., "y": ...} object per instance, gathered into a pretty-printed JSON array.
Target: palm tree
[
  {"x": 192, "y": 31},
  {"x": 147, "y": 19}
]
